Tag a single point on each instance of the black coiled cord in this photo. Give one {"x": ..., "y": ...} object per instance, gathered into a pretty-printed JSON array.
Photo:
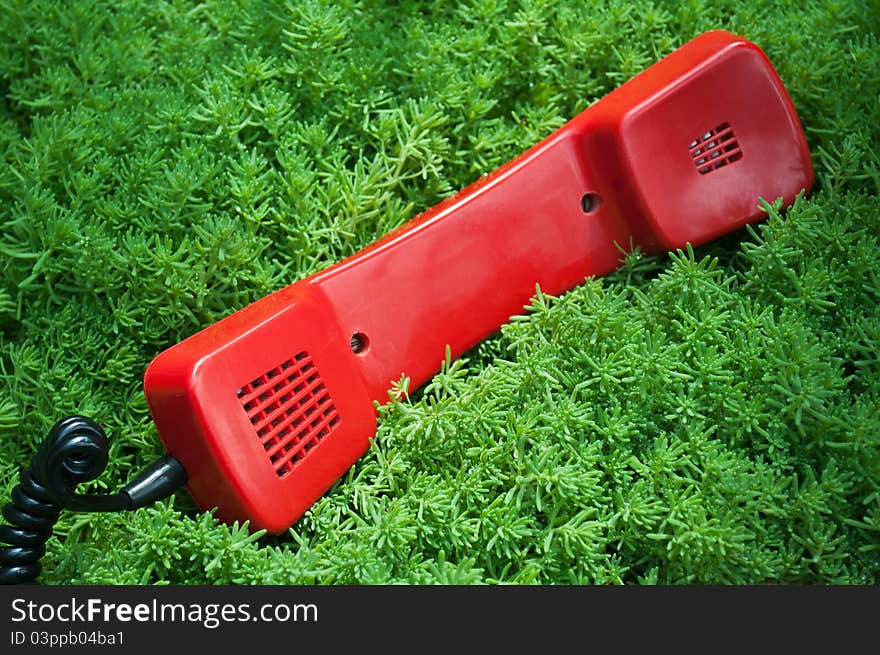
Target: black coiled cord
[
  {"x": 32, "y": 515},
  {"x": 74, "y": 451}
]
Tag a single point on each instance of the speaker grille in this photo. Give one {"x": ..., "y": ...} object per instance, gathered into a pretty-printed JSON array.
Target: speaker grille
[
  {"x": 714, "y": 149},
  {"x": 291, "y": 411}
]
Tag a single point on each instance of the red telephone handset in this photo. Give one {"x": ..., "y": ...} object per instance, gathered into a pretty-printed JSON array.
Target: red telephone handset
[{"x": 267, "y": 408}]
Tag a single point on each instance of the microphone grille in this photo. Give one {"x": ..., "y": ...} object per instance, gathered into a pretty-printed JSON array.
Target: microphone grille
[{"x": 291, "y": 411}]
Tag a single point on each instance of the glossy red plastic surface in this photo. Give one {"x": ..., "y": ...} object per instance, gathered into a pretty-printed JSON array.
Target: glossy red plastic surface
[{"x": 270, "y": 406}]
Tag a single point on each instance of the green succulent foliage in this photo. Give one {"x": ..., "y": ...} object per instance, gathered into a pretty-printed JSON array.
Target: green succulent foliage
[{"x": 707, "y": 417}]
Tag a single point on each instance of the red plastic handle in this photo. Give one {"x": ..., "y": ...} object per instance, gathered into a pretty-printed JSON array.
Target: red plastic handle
[
  {"x": 268, "y": 407},
  {"x": 465, "y": 267}
]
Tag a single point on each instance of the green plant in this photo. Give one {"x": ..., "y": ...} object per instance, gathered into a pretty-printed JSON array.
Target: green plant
[{"x": 707, "y": 417}]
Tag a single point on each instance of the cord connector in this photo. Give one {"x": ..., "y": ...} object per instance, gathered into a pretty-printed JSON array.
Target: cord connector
[{"x": 74, "y": 451}]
